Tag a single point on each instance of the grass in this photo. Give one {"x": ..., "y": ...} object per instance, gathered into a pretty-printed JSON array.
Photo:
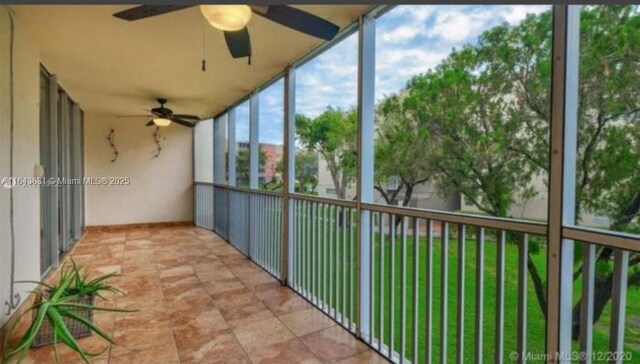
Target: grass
[{"x": 316, "y": 261}]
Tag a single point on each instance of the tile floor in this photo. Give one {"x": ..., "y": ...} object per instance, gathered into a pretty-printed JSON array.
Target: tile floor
[{"x": 201, "y": 301}]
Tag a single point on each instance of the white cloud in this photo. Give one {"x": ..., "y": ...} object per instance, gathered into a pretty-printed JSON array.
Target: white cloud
[
  {"x": 516, "y": 13},
  {"x": 457, "y": 24}
]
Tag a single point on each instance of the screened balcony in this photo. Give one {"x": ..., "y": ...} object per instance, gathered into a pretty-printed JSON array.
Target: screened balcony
[{"x": 438, "y": 183}]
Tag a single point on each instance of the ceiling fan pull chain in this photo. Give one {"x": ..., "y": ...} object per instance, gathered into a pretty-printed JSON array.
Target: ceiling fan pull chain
[{"x": 204, "y": 47}]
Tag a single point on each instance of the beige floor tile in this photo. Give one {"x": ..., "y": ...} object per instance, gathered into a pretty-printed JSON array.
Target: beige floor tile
[
  {"x": 367, "y": 357},
  {"x": 262, "y": 333},
  {"x": 291, "y": 351},
  {"x": 199, "y": 300},
  {"x": 333, "y": 344},
  {"x": 306, "y": 321}
]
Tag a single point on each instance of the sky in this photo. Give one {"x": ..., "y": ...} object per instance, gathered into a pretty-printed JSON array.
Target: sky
[{"x": 410, "y": 39}]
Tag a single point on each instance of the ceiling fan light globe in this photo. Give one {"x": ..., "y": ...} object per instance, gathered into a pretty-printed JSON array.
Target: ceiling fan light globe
[
  {"x": 161, "y": 122},
  {"x": 227, "y": 17}
]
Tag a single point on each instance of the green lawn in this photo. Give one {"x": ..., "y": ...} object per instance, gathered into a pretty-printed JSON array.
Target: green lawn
[{"x": 325, "y": 265}]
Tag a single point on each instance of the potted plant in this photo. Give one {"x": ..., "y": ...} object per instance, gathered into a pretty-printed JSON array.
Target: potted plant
[{"x": 63, "y": 313}]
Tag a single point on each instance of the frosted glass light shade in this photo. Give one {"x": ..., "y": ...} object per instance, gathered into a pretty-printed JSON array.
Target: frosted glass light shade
[
  {"x": 162, "y": 122},
  {"x": 227, "y": 17}
]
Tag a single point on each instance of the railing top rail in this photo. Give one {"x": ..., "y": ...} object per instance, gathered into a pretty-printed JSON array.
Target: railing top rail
[
  {"x": 267, "y": 192},
  {"x": 612, "y": 239},
  {"x": 330, "y": 201},
  {"x": 247, "y": 190},
  {"x": 523, "y": 226},
  {"x": 201, "y": 183}
]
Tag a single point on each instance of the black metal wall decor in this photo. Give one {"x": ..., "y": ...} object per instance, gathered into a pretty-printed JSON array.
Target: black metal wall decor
[
  {"x": 111, "y": 139},
  {"x": 157, "y": 138}
]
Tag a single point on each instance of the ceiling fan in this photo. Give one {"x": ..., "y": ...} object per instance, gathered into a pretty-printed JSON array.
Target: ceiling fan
[
  {"x": 163, "y": 116},
  {"x": 232, "y": 19}
]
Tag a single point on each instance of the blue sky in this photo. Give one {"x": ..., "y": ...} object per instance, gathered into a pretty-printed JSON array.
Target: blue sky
[{"x": 410, "y": 39}]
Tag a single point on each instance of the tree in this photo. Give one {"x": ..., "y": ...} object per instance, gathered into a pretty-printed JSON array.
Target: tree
[
  {"x": 333, "y": 135},
  {"x": 402, "y": 152},
  {"x": 306, "y": 169},
  {"x": 487, "y": 108},
  {"x": 243, "y": 165}
]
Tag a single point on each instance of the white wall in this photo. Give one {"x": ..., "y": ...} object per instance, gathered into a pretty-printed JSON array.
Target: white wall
[
  {"x": 160, "y": 190},
  {"x": 26, "y": 156}
]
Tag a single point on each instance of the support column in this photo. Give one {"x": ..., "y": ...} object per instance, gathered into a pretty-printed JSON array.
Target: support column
[
  {"x": 254, "y": 146},
  {"x": 231, "y": 165},
  {"x": 366, "y": 113},
  {"x": 218, "y": 151},
  {"x": 288, "y": 175},
  {"x": 253, "y": 167},
  {"x": 562, "y": 174}
]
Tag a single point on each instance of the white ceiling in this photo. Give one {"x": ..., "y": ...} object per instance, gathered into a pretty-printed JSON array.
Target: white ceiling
[{"x": 114, "y": 67}]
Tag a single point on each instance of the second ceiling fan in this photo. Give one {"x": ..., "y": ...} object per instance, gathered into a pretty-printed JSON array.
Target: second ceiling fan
[{"x": 232, "y": 20}]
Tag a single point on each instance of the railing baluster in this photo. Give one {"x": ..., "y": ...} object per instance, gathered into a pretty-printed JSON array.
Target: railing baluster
[
  {"x": 586, "y": 302},
  {"x": 305, "y": 252},
  {"x": 460, "y": 295},
  {"x": 499, "y": 328},
  {"x": 403, "y": 288},
  {"x": 372, "y": 266},
  {"x": 310, "y": 264},
  {"x": 312, "y": 253},
  {"x": 272, "y": 236},
  {"x": 618, "y": 303},
  {"x": 260, "y": 216},
  {"x": 444, "y": 283},
  {"x": 429, "y": 294},
  {"x": 351, "y": 265},
  {"x": 331, "y": 262},
  {"x": 479, "y": 294},
  {"x": 416, "y": 285},
  {"x": 324, "y": 257},
  {"x": 523, "y": 254},
  {"x": 392, "y": 286},
  {"x": 318, "y": 255},
  {"x": 267, "y": 233},
  {"x": 381, "y": 296},
  {"x": 336, "y": 264},
  {"x": 293, "y": 276},
  {"x": 344, "y": 265}
]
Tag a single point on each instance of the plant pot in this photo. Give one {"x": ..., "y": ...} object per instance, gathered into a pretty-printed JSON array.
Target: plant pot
[{"x": 76, "y": 328}]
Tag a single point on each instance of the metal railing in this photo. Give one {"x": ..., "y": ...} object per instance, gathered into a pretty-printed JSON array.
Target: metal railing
[
  {"x": 425, "y": 265},
  {"x": 221, "y": 211},
  {"x": 443, "y": 287},
  {"x": 238, "y": 220},
  {"x": 325, "y": 253},
  {"x": 203, "y": 205},
  {"x": 266, "y": 220}
]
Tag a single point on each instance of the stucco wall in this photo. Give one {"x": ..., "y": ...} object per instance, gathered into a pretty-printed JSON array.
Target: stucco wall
[
  {"x": 160, "y": 189},
  {"x": 25, "y": 157}
]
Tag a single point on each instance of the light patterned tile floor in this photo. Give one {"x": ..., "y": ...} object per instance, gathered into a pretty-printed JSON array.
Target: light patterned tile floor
[{"x": 201, "y": 301}]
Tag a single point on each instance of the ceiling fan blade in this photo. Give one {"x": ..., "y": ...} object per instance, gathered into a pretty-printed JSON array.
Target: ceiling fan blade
[
  {"x": 298, "y": 20},
  {"x": 188, "y": 117},
  {"x": 239, "y": 43},
  {"x": 183, "y": 122},
  {"x": 150, "y": 123},
  {"x": 134, "y": 116},
  {"x": 156, "y": 113},
  {"x": 146, "y": 11}
]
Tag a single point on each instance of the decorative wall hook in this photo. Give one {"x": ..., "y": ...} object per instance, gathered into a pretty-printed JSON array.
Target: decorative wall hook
[
  {"x": 111, "y": 140},
  {"x": 156, "y": 139}
]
